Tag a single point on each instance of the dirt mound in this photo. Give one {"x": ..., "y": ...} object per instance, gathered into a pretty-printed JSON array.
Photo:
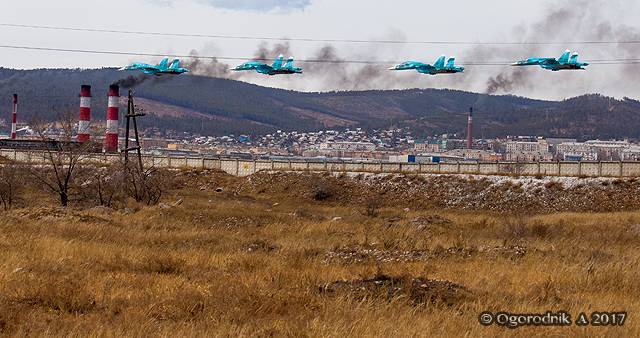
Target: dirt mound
[
  {"x": 417, "y": 290},
  {"x": 487, "y": 193},
  {"x": 359, "y": 255},
  {"x": 356, "y": 255},
  {"x": 207, "y": 179},
  {"x": 97, "y": 215},
  {"x": 510, "y": 251},
  {"x": 236, "y": 222},
  {"x": 260, "y": 246}
]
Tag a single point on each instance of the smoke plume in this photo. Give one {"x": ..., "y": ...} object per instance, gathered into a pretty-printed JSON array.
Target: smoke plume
[
  {"x": 506, "y": 82},
  {"x": 132, "y": 81},
  {"x": 264, "y": 53},
  {"x": 207, "y": 67},
  {"x": 568, "y": 20}
]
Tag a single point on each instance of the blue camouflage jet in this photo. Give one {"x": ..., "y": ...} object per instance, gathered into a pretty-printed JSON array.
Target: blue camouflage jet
[
  {"x": 439, "y": 67},
  {"x": 162, "y": 68},
  {"x": 276, "y": 69},
  {"x": 567, "y": 61}
]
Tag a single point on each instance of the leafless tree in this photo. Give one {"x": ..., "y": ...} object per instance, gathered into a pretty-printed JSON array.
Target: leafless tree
[
  {"x": 61, "y": 156},
  {"x": 10, "y": 182}
]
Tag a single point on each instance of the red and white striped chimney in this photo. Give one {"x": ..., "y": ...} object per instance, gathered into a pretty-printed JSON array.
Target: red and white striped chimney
[
  {"x": 111, "y": 138},
  {"x": 14, "y": 117},
  {"x": 84, "y": 125}
]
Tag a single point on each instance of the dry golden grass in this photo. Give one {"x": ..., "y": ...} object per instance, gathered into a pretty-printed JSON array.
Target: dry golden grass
[{"x": 225, "y": 264}]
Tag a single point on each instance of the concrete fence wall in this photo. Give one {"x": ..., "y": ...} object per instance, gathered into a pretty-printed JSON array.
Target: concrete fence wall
[{"x": 247, "y": 167}]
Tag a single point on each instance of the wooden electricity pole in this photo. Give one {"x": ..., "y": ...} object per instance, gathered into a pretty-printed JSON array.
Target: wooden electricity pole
[{"x": 131, "y": 116}]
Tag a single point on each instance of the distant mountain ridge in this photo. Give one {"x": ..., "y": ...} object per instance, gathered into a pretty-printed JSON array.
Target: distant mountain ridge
[{"x": 213, "y": 106}]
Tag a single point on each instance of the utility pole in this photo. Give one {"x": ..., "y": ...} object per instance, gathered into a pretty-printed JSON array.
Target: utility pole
[{"x": 131, "y": 116}]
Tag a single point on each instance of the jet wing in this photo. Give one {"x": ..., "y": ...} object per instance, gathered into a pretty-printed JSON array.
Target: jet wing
[
  {"x": 548, "y": 61},
  {"x": 426, "y": 69},
  {"x": 265, "y": 69}
]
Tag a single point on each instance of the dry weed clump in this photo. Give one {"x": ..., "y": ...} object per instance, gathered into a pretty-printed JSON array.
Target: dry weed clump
[
  {"x": 163, "y": 265},
  {"x": 60, "y": 294}
]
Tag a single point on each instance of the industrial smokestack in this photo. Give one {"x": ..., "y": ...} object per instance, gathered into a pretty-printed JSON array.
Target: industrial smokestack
[
  {"x": 111, "y": 137},
  {"x": 470, "y": 129},
  {"x": 14, "y": 117},
  {"x": 84, "y": 125}
]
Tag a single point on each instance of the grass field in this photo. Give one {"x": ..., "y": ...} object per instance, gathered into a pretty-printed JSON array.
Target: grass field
[{"x": 219, "y": 259}]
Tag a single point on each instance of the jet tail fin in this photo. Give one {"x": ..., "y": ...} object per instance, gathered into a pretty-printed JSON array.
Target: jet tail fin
[
  {"x": 564, "y": 58},
  {"x": 574, "y": 58},
  {"x": 451, "y": 62},
  {"x": 164, "y": 63},
  {"x": 175, "y": 64},
  {"x": 277, "y": 64},
  {"x": 440, "y": 62},
  {"x": 289, "y": 63}
]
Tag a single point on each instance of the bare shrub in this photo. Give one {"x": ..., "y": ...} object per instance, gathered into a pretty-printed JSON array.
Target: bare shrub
[
  {"x": 554, "y": 185},
  {"x": 515, "y": 229},
  {"x": 520, "y": 228},
  {"x": 321, "y": 191},
  {"x": 372, "y": 206},
  {"x": 11, "y": 179},
  {"x": 102, "y": 186},
  {"x": 147, "y": 186},
  {"x": 113, "y": 185},
  {"x": 540, "y": 230}
]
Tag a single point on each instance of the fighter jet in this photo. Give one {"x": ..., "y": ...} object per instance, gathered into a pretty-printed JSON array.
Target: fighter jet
[
  {"x": 174, "y": 68},
  {"x": 439, "y": 67},
  {"x": 567, "y": 61},
  {"x": 276, "y": 69},
  {"x": 160, "y": 69}
]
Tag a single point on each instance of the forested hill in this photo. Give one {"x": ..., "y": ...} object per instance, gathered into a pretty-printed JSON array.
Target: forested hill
[{"x": 218, "y": 106}]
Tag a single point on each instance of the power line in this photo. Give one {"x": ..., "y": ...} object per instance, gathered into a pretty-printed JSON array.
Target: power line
[
  {"x": 329, "y": 61},
  {"x": 272, "y": 38}
]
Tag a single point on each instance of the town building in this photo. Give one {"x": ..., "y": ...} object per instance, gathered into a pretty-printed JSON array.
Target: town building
[
  {"x": 631, "y": 154},
  {"x": 347, "y": 146},
  {"x": 575, "y": 151},
  {"x": 608, "y": 150},
  {"x": 430, "y": 146},
  {"x": 528, "y": 151},
  {"x": 475, "y": 155}
]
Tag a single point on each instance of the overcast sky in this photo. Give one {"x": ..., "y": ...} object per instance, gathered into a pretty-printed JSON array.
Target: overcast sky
[{"x": 462, "y": 20}]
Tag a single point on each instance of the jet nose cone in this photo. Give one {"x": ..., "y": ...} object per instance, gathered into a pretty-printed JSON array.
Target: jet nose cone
[{"x": 393, "y": 68}]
